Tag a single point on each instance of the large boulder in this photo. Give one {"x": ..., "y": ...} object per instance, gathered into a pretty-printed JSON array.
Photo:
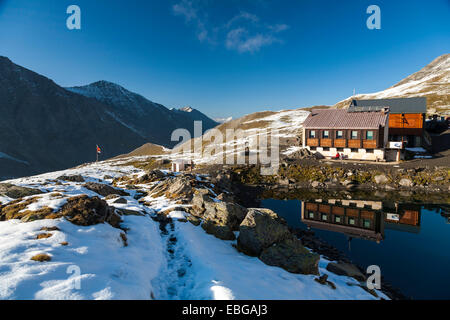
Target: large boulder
[
  {"x": 17, "y": 192},
  {"x": 222, "y": 232},
  {"x": 222, "y": 218},
  {"x": 85, "y": 211},
  {"x": 200, "y": 197},
  {"x": 225, "y": 214},
  {"x": 104, "y": 189},
  {"x": 181, "y": 186},
  {"x": 174, "y": 187},
  {"x": 152, "y": 176},
  {"x": 260, "y": 229},
  {"x": 290, "y": 255}
]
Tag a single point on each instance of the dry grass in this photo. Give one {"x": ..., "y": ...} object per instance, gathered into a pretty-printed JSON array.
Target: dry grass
[
  {"x": 57, "y": 195},
  {"x": 50, "y": 229},
  {"x": 41, "y": 257},
  {"x": 43, "y": 236},
  {"x": 147, "y": 164},
  {"x": 13, "y": 209},
  {"x": 260, "y": 124},
  {"x": 148, "y": 149}
]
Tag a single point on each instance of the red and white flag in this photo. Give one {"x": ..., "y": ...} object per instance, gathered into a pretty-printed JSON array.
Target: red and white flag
[{"x": 98, "y": 149}]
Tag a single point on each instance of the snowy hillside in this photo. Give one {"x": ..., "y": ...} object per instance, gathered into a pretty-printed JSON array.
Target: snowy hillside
[
  {"x": 286, "y": 125},
  {"x": 432, "y": 82},
  {"x": 138, "y": 258}
]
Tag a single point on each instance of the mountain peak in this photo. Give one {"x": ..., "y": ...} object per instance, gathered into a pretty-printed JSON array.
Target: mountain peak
[
  {"x": 187, "y": 109},
  {"x": 108, "y": 92},
  {"x": 105, "y": 84},
  {"x": 4, "y": 59}
]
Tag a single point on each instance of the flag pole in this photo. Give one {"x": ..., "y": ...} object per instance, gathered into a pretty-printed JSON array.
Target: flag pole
[{"x": 96, "y": 153}]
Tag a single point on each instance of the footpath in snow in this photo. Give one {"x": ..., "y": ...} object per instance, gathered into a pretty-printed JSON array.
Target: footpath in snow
[{"x": 143, "y": 259}]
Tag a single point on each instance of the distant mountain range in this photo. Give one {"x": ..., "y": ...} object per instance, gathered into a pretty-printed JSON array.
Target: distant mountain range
[
  {"x": 45, "y": 127},
  {"x": 432, "y": 82}
]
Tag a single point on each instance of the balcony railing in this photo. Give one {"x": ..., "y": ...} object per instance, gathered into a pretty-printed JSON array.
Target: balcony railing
[
  {"x": 342, "y": 143},
  {"x": 356, "y": 143}
]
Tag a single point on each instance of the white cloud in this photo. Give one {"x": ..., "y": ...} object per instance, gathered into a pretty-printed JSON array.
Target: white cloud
[
  {"x": 243, "y": 33},
  {"x": 185, "y": 8},
  {"x": 241, "y": 40},
  {"x": 242, "y": 16},
  {"x": 279, "y": 28}
]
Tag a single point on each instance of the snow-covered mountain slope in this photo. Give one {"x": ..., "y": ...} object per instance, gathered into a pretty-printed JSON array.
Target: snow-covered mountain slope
[
  {"x": 152, "y": 121},
  {"x": 432, "y": 82},
  {"x": 48, "y": 128},
  {"x": 236, "y": 135},
  {"x": 223, "y": 120},
  {"x": 98, "y": 262}
]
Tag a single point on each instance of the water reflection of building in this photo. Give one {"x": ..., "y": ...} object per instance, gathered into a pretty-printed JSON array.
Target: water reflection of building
[{"x": 360, "y": 218}]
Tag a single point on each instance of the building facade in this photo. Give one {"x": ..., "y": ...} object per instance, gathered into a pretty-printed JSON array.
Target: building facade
[
  {"x": 406, "y": 118},
  {"x": 353, "y": 134}
]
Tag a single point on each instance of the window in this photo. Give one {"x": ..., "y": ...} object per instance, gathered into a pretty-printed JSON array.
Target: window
[
  {"x": 340, "y": 149},
  {"x": 337, "y": 219},
  {"x": 324, "y": 217},
  {"x": 312, "y": 134},
  {"x": 354, "y": 150},
  {"x": 366, "y": 223},
  {"x": 339, "y": 134},
  {"x": 351, "y": 221},
  {"x": 369, "y": 150},
  {"x": 326, "y": 134},
  {"x": 326, "y": 149},
  {"x": 369, "y": 135},
  {"x": 312, "y": 148},
  {"x": 311, "y": 215},
  {"x": 354, "y": 134}
]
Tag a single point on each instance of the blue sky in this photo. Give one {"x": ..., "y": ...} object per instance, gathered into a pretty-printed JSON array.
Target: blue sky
[{"x": 227, "y": 57}]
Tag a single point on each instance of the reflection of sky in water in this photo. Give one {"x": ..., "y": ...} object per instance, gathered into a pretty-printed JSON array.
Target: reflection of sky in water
[{"x": 416, "y": 263}]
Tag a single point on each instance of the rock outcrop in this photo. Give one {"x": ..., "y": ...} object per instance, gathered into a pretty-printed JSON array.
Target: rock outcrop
[
  {"x": 104, "y": 189},
  {"x": 71, "y": 178},
  {"x": 219, "y": 218},
  {"x": 152, "y": 176},
  {"x": 80, "y": 210},
  {"x": 265, "y": 235},
  {"x": 260, "y": 229},
  {"x": 17, "y": 192},
  {"x": 292, "y": 256},
  {"x": 85, "y": 211}
]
